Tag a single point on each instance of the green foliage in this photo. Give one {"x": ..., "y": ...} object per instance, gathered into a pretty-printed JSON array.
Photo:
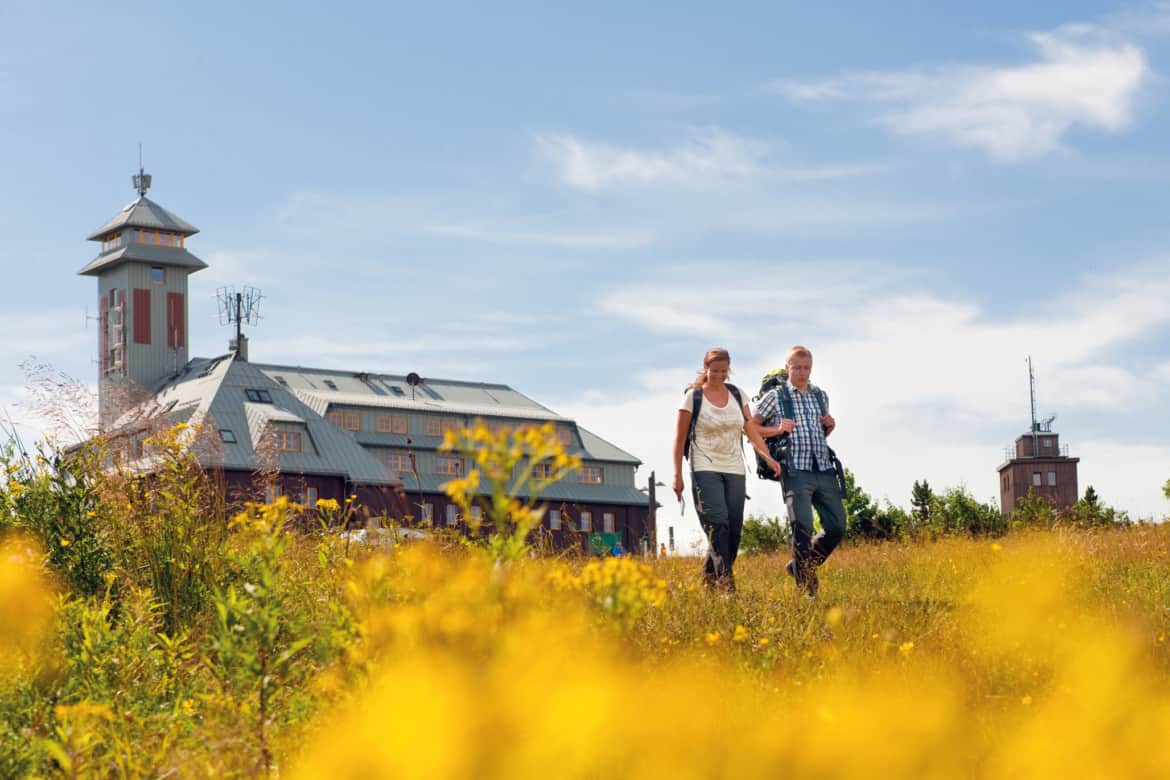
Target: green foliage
[
  {"x": 764, "y": 535},
  {"x": 865, "y": 519},
  {"x": 54, "y": 496},
  {"x": 958, "y": 512},
  {"x": 258, "y": 636},
  {"x": 1091, "y": 498},
  {"x": 921, "y": 497},
  {"x": 1166, "y": 489}
]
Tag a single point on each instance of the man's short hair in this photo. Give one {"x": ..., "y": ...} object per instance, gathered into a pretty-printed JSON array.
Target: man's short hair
[{"x": 797, "y": 351}]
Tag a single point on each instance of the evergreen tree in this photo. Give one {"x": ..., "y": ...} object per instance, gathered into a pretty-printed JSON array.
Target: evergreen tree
[
  {"x": 920, "y": 499},
  {"x": 1091, "y": 498}
]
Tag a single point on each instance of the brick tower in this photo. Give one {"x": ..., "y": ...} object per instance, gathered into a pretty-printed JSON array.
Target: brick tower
[{"x": 1038, "y": 462}]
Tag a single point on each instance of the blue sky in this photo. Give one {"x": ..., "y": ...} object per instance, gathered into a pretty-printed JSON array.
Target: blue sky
[{"x": 579, "y": 200}]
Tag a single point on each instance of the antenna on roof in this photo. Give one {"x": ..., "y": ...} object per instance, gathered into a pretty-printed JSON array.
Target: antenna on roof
[
  {"x": 142, "y": 178},
  {"x": 237, "y": 307}
]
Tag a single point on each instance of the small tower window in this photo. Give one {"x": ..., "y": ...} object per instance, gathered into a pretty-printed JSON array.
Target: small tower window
[
  {"x": 1052, "y": 479},
  {"x": 1036, "y": 479},
  {"x": 158, "y": 275}
]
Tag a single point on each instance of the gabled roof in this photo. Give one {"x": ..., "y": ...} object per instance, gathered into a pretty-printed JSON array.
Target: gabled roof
[
  {"x": 144, "y": 213},
  {"x": 174, "y": 256},
  {"x": 218, "y": 387}
]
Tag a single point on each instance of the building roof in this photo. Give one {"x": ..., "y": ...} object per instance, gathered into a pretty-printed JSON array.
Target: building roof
[
  {"x": 144, "y": 213},
  {"x": 214, "y": 391},
  {"x": 218, "y": 388},
  {"x": 144, "y": 253}
]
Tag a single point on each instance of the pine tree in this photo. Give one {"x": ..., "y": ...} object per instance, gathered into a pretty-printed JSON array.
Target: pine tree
[
  {"x": 920, "y": 499},
  {"x": 1091, "y": 498}
]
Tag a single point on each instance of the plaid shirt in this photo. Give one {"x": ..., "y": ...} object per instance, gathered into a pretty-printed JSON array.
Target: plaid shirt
[{"x": 806, "y": 443}]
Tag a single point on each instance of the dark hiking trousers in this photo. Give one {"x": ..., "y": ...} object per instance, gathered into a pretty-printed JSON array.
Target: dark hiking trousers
[
  {"x": 719, "y": 501},
  {"x": 804, "y": 491}
]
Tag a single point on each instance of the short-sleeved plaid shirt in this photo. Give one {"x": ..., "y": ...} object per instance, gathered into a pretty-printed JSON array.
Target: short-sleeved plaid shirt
[{"x": 807, "y": 448}]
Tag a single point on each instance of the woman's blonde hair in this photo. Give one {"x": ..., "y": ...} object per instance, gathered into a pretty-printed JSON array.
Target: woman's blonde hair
[{"x": 714, "y": 355}]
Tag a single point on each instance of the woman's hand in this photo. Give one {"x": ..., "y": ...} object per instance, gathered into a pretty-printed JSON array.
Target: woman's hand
[
  {"x": 678, "y": 486},
  {"x": 786, "y": 425}
]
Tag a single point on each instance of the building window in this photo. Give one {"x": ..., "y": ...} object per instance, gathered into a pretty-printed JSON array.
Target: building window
[
  {"x": 287, "y": 441},
  {"x": 158, "y": 275},
  {"x": 400, "y": 461},
  {"x": 554, "y": 519},
  {"x": 586, "y": 523},
  {"x": 227, "y": 435},
  {"x": 542, "y": 471},
  {"x": 1036, "y": 479},
  {"x": 591, "y": 475},
  {"x": 353, "y": 421},
  {"x": 111, "y": 241},
  {"x": 281, "y": 380},
  {"x": 564, "y": 436},
  {"x": 608, "y": 522},
  {"x": 271, "y": 493},
  {"x": 477, "y": 514},
  {"x": 330, "y": 384},
  {"x": 337, "y": 418},
  {"x": 258, "y": 396},
  {"x": 449, "y": 466},
  {"x": 1052, "y": 479},
  {"x": 428, "y": 513},
  {"x": 434, "y": 427},
  {"x": 452, "y": 514},
  {"x": 311, "y": 497},
  {"x": 1048, "y": 443},
  {"x": 391, "y": 423}
]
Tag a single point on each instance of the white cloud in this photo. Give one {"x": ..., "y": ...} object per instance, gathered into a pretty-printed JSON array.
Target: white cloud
[
  {"x": 705, "y": 156},
  {"x": 1082, "y": 76}
]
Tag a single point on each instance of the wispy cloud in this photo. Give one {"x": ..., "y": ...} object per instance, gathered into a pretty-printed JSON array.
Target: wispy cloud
[
  {"x": 704, "y": 158},
  {"x": 1082, "y": 75},
  {"x": 567, "y": 239}
]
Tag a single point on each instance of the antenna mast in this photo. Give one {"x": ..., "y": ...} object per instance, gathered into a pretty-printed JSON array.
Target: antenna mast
[
  {"x": 1032, "y": 396},
  {"x": 237, "y": 307}
]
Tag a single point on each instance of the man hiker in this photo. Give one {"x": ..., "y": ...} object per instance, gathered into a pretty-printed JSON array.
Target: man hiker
[{"x": 810, "y": 478}]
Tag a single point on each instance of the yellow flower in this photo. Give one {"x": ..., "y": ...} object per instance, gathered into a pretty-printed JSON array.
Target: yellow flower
[
  {"x": 741, "y": 634},
  {"x": 712, "y": 638},
  {"x": 905, "y": 649}
]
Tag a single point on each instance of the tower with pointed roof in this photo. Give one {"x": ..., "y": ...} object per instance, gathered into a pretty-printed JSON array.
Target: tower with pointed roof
[{"x": 142, "y": 272}]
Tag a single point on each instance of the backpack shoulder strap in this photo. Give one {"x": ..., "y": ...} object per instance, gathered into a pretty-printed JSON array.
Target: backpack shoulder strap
[
  {"x": 784, "y": 396},
  {"x": 696, "y": 402},
  {"x": 822, "y": 401},
  {"x": 738, "y": 398}
]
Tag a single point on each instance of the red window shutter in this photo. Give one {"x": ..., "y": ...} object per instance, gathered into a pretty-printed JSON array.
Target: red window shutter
[
  {"x": 104, "y": 335},
  {"x": 141, "y": 316},
  {"x": 175, "y": 334}
]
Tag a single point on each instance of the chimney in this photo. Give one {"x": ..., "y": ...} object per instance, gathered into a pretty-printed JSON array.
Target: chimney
[{"x": 239, "y": 345}]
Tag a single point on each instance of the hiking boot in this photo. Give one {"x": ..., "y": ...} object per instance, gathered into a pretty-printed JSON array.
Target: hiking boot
[{"x": 811, "y": 583}]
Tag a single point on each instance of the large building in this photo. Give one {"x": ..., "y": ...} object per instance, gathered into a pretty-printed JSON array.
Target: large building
[{"x": 312, "y": 433}]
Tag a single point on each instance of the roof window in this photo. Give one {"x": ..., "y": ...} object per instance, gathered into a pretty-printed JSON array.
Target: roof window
[
  {"x": 228, "y": 436},
  {"x": 258, "y": 396},
  {"x": 330, "y": 384}
]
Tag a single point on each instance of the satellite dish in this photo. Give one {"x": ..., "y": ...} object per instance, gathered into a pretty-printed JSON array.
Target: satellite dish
[{"x": 413, "y": 379}]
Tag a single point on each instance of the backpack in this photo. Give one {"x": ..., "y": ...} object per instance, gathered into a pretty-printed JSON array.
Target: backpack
[
  {"x": 696, "y": 402},
  {"x": 777, "y": 381}
]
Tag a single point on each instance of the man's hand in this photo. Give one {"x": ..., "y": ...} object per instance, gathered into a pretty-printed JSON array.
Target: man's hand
[
  {"x": 829, "y": 423},
  {"x": 786, "y": 426},
  {"x": 678, "y": 486},
  {"x": 774, "y": 465}
]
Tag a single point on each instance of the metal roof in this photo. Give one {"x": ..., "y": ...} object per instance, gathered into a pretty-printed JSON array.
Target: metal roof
[
  {"x": 144, "y": 213},
  {"x": 174, "y": 256}
]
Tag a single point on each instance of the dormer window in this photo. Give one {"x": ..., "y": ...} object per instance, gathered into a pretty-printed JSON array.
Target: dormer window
[
  {"x": 158, "y": 275},
  {"x": 258, "y": 396}
]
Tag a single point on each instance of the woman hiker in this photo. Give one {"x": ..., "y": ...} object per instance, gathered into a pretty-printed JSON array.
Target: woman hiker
[{"x": 712, "y": 420}]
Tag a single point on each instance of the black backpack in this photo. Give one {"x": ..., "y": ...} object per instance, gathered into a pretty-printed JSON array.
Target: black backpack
[
  {"x": 696, "y": 402},
  {"x": 778, "y": 445}
]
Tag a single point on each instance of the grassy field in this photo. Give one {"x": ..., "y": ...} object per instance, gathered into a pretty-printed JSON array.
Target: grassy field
[{"x": 297, "y": 654}]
